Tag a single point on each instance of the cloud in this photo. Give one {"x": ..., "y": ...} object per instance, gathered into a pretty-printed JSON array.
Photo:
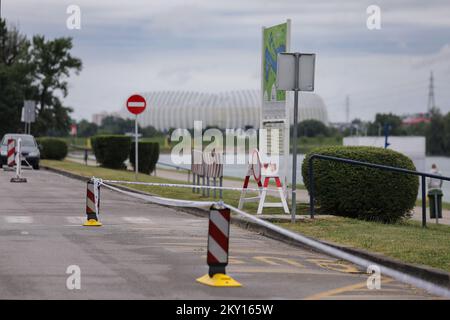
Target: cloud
[{"x": 212, "y": 46}]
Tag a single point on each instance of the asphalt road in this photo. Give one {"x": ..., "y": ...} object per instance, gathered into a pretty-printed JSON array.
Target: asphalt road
[{"x": 145, "y": 251}]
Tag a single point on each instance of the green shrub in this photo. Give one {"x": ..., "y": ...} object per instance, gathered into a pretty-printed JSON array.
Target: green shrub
[
  {"x": 111, "y": 150},
  {"x": 52, "y": 148},
  {"x": 148, "y": 156},
  {"x": 361, "y": 192}
]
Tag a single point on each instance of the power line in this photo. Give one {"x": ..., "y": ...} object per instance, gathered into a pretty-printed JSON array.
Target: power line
[{"x": 431, "y": 100}]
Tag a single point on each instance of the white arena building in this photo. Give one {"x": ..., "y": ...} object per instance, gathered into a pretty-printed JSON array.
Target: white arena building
[{"x": 234, "y": 109}]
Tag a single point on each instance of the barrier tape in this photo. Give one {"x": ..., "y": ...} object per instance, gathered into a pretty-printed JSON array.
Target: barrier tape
[
  {"x": 430, "y": 287},
  {"x": 402, "y": 277},
  {"x": 155, "y": 184},
  {"x": 162, "y": 200}
]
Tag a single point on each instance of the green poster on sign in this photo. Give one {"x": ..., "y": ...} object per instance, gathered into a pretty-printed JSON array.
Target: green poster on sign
[{"x": 275, "y": 41}]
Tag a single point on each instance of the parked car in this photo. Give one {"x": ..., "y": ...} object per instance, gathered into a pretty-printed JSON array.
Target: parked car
[{"x": 30, "y": 149}]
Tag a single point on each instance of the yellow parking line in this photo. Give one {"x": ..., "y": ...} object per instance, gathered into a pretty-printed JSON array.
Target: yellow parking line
[{"x": 332, "y": 292}]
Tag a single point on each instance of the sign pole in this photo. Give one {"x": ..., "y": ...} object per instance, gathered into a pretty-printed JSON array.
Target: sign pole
[
  {"x": 294, "y": 141},
  {"x": 136, "y": 153},
  {"x": 290, "y": 78},
  {"x": 136, "y": 104}
]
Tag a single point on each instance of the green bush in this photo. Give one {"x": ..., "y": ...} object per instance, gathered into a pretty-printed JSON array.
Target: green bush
[
  {"x": 361, "y": 192},
  {"x": 111, "y": 150},
  {"x": 148, "y": 156},
  {"x": 52, "y": 148}
]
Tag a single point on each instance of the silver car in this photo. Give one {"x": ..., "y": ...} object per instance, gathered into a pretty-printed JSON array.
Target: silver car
[{"x": 30, "y": 149}]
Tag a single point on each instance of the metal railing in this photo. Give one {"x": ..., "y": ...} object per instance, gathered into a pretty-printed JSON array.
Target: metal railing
[{"x": 423, "y": 176}]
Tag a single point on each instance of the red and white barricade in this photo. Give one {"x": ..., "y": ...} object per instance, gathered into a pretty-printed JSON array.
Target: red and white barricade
[
  {"x": 218, "y": 247},
  {"x": 254, "y": 170},
  {"x": 265, "y": 171}
]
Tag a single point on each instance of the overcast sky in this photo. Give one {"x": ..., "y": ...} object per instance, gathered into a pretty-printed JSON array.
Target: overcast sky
[{"x": 212, "y": 46}]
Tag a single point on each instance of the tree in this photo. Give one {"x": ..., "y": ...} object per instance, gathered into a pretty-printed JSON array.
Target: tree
[
  {"x": 381, "y": 119},
  {"x": 15, "y": 77},
  {"x": 435, "y": 133},
  {"x": 312, "y": 128},
  {"x": 149, "y": 131},
  {"x": 446, "y": 135},
  {"x": 116, "y": 125},
  {"x": 87, "y": 129},
  {"x": 38, "y": 72},
  {"x": 52, "y": 64}
]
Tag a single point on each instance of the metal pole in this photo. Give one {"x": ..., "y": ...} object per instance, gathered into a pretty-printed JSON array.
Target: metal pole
[
  {"x": 424, "y": 203},
  {"x": 294, "y": 146},
  {"x": 436, "y": 209},
  {"x": 136, "y": 160}
]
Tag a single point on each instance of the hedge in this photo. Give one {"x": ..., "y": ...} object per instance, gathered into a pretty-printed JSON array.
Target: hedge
[
  {"x": 148, "y": 156},
  {"x": 52, "y": 148},
  {"x": 361, "y": 192},
  {"x": 111, "y": 150}
]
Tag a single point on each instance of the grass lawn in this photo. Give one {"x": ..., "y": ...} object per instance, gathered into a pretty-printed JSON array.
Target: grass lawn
[
  {"x": 306, "y": 144},
  {"x": 406, "y": 241},
  {"x": 230, "y": 197}
]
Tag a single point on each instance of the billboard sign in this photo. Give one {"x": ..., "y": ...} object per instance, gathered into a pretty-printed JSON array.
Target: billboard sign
[
  {"x": 274, "y": 42},
  {"x": 274, "y": 116}
]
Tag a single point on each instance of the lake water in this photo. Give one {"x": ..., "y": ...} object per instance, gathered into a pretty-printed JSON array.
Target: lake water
[{"x": 239, "y": 171}]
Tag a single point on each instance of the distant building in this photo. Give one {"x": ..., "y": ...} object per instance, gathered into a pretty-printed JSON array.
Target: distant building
[
  {"x": 234, "y": 109},
  {"x": 416, "y": 118}
]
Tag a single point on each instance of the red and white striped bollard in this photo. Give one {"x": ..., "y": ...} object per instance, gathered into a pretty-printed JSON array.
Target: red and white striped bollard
[{"x": 218, "y": 247}]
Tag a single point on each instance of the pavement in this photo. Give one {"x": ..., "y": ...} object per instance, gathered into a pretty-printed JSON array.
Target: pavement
[{"x": 145, "y": 251}]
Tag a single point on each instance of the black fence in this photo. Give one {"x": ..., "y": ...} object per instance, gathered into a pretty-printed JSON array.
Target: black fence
[{"x": 423, "y": 176}]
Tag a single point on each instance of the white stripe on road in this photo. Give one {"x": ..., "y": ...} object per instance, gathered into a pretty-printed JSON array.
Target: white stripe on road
[
  {"x": 18, "y": 219},
  {"x": 137, "y": 220},
  {"x": 75, "y": 220}
]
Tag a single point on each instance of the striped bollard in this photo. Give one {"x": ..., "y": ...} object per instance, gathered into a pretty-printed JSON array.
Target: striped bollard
[
  {"x": 218, "y": 242},
  {"x": 11, "y": 153},
  {"x": 18, "y": 162},
  {"x": 92, "y": 210}
]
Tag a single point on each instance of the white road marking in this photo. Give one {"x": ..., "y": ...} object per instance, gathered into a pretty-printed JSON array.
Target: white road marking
[
  {"x": 75, "y": 220},
  {"x": 137, "y": 220},
  {"x": 19, "y": 219}
]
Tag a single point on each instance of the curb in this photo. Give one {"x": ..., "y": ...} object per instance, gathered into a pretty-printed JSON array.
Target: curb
[{"x": 435, "y": 276}]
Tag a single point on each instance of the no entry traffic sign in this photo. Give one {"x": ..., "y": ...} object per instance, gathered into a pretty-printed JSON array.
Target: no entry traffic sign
[{"x": 136, "y": 104}]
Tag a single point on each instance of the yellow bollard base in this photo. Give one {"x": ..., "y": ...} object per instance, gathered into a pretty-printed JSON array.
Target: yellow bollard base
[
  {"x": 219, "y": 280},
  {"x": 92, "y": 223}
]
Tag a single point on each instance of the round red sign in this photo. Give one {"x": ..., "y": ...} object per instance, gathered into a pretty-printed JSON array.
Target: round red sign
[{"x": 136, "y": 104}]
